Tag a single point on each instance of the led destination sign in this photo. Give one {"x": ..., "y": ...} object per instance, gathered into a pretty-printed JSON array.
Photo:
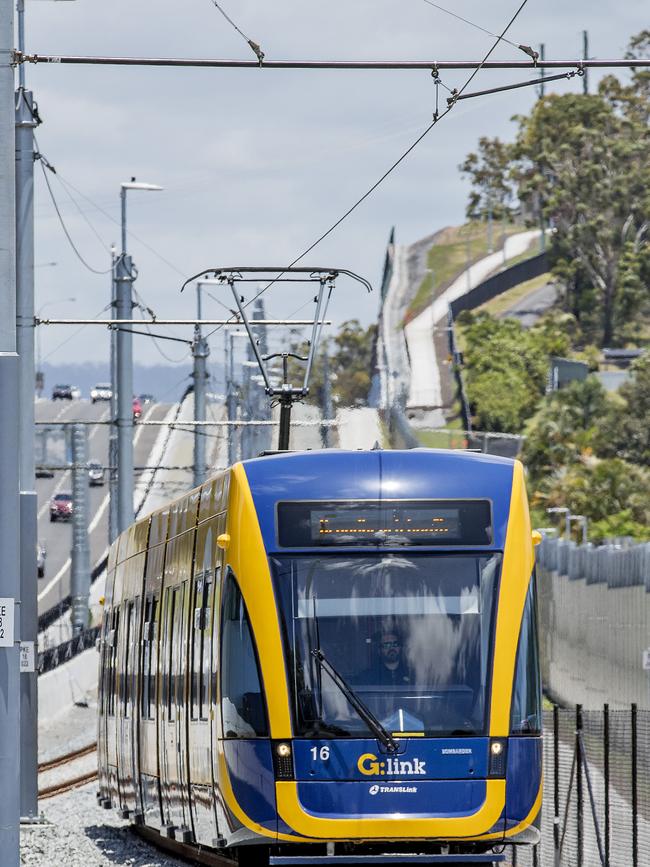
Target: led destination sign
[{"x": 384, "y": 523}]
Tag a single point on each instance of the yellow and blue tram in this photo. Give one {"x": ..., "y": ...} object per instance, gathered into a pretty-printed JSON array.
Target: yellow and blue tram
[{"x": 326, "y": 655}]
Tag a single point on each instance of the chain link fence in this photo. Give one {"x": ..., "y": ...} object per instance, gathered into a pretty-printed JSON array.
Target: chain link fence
[
  {"x": 596, "y": 809},
  {"x": 594, "y": 607}
]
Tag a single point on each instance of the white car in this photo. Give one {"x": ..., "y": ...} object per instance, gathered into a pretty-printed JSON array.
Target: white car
[
  {"x": 95, "y": 473},
  {"x": 75, "y": 391},
  {"x": 102, "y": 391}
]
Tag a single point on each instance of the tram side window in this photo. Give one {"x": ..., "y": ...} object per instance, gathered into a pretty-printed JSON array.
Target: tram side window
[
  {"x": 242, "y": 702},
  {"x": 200, "y": 645},
  {"x": 171, "y": 667},
  {"x": 526, "y": 715},
  {"x": 126, "y": 673},
  {"x": 149, "y": 658},
  {"x": 112, "y": 683}
]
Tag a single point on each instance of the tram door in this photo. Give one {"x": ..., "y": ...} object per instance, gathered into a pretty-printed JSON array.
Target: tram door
[
  {"x": 172, "y": 745},
  {"x": 129, "y": 795}
]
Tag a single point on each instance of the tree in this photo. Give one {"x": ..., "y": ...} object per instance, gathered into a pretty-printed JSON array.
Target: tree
[
  {"x": 492, "y": 188},
  {"x": 566, "y": 429},
  {"x": 628, "y": 430}
]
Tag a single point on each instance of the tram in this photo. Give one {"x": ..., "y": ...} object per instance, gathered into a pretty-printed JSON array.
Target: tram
[{"x": 318, "y": 656}]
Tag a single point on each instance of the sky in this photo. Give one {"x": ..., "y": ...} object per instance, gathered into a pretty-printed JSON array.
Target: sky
[{"x": 256, "y": 164}]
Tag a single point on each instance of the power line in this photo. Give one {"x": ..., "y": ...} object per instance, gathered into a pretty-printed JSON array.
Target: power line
[
  {"x": 117, "y": 223},
  {"x": 525, "y": 48},
  {"x": 44, "y": 163},
  {"x": 436, "y": 120},
  {"x": 253, "y": 45}
]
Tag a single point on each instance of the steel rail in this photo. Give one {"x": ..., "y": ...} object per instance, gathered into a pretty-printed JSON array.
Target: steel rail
[
  {"x": 66, "y": 758},
  {"x": 66, "y": 785},
  {"x": 98, "y": 60},
  {"x": 193, "y": 854}
]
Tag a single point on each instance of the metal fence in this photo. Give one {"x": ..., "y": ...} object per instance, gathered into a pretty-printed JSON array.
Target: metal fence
[
  {"x": 501, "y": 282},
  {"x": 594, "y": 607},
  {"x": 596, "y": 809}
]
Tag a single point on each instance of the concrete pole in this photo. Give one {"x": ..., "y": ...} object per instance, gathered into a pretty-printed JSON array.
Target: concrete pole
[
  {"x": 80, "y": 554},
  {"x": 112, "y": 437},
  {"x": 9, "y": 470},
  {"x": 124, "y": 380},
  {"x": 25, "y": 124},
  {"x": 200, "y": 352}
]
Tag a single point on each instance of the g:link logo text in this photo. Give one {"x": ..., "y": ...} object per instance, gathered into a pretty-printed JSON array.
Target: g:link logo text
[{"x": 371, "y": 766}]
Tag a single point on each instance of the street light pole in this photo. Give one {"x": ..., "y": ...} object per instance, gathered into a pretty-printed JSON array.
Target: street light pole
[
  {"x": 9, "y": 470},
  {"x": 124, "y": 278},
  {"x": 25, "y": 124}
]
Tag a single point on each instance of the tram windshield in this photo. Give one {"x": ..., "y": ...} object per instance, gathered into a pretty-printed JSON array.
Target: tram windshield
[{"x": 409, "y": 635}]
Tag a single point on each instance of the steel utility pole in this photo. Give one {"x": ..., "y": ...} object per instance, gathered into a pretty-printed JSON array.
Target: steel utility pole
[
  {"x": 200, "y": 353},
  {"x": 80, "y": 554},
  {"x": 25, "y": 124},
  {"x": 585, "y": 56},
  {"x": 112, "y": 437},
  {"x": 542, "y": 74},
  {"x": 230, "y": 396},
  {"x": 9, "y": 471},
  {"x": 328, "y": 409},
  {"x": 124, "y": 278}
]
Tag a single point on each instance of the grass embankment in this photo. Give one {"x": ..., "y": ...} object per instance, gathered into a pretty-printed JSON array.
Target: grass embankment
[{"x": 449, "y": 256}]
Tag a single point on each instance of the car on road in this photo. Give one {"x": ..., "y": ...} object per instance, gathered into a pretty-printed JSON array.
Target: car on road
[
  {"x": 62, "y": 392},
  {"x": 43, "y": 472},
  {"x": 101, "y": 391},
  {"x": 95, "y": 473},
  {"x": 137, "y": 408},
  {"x": 147, "y": 398},
  {"x": 76, "y": 392},
  {"x": 61, "y": 507},
  {"x": 40, "y": 559}
]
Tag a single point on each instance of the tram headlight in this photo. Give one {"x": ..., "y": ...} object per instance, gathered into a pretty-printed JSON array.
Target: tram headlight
[
  {"x": 282, "y": 760},
  {"x": 498, "y": 754}
]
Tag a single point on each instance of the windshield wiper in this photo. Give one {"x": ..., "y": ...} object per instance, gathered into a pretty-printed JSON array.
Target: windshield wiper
[{"x": 361, "y": 708}]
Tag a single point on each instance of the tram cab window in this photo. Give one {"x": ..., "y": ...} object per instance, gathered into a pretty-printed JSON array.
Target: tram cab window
[
  {"x": 411, "y": 635},
  {"x": 242, "y": 702},
  {"x": 526, "y": 714}
]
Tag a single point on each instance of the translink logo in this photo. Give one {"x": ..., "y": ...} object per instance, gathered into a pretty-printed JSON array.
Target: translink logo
[{"x": 370, "y": 766}]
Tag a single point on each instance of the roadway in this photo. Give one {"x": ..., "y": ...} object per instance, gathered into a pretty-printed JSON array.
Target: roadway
[{"x": 57, "y": 537}]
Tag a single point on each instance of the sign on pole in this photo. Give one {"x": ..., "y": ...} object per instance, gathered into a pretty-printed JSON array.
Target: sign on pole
[
  {"x": 27, "y": 657},
  {"x": 646, "y": 660},
  {"x": 6, "y": 621}
]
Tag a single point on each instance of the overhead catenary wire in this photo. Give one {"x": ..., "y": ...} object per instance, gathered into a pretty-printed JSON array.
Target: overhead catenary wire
[
  {"x": 45, "y": 165},
  {"x": 436, "y": 120},
  {"x": 525, "y": 48},
  {"x": 255, "y": 48}
]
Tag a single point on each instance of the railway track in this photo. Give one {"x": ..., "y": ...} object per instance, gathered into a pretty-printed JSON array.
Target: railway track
[
  {"x": 206, "y": 857},
  {"x": 71, "y": 783}
]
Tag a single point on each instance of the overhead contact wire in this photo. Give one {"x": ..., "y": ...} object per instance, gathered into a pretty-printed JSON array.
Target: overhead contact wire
[
  {"x": 255, "y": 48},
  {"x": 451, "y": 103}
]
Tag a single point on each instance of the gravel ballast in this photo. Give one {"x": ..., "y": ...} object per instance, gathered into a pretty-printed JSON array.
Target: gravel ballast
[{"x": 78, "y": 833}]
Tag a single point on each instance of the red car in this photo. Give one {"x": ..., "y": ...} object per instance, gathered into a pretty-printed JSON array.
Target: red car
[
  {"x": 61, "y": 507},
  {"x": 137, "y": 408}
]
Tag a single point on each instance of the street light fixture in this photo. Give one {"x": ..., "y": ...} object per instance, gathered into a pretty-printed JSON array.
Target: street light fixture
[{"x": 563, "y": 510}]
